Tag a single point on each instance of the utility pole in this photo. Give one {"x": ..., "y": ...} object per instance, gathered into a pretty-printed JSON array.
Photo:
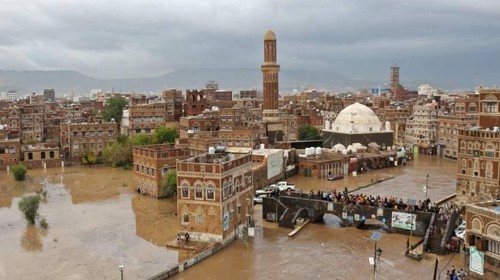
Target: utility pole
[
  {"x": 426, "y": 186},
  {"x": 435, "y": 269}
]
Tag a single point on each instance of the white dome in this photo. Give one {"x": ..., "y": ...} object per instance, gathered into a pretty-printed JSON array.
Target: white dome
[
  {"x": 358, "y": 113},
  {"x": 357, "y": 118}
]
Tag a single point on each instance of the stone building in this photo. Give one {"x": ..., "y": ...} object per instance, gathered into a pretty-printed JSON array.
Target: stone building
[
  {"x": 80, "y": 138},
  {"x": 144, "y": 118},
  {"x": 214, "y": 195},
  {"x": 151, "y": 163},
  {"x": 32, "y": 123},
  {"x": 483, "y": 232},
  {"x": 40, "y": 156},
  {"x": 357, "y": 124},
  {"x": 396, "y": 115},
  {"x": 478, "y": 160},
  {"x": 268, "y": 166},
  {"x": 173, "y": 99},
  {"x": 421, "y": 128},
  {"x": 195, "y": 103},
  {"x": 448, "y": 127},
  {"x": 248, "y": 94},
  {"x": 10, "y": 152},
  {"x": 463, "y": 115}
]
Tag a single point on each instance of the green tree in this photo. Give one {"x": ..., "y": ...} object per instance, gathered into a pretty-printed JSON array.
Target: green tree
[
  {"x": 114, "y": 108},
  {"x": 89, "y": 158},
  {"x": 165, "y": 135},
  {"x": 170, "y": 183},
  {"x": 309, "y": 132},
  {"x": 120, "y": 152},
  {"x": 18, "y": 171},
  {"x": 139, "y": 140},
  {"x": 28, "y": 205}
]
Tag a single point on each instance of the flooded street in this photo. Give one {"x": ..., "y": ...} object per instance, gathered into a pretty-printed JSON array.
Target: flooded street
[
  {"x": 97, "y": 222},
  {"x": 327, "y": 251},
  {"x": 408, "y": 183}
]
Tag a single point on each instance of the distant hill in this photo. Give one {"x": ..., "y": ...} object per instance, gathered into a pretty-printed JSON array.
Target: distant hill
[{"x": 66, "y": 82}]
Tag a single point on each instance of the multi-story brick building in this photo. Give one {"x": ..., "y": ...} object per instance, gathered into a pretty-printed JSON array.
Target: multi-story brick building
[
  {"x": 421, "y": 128},
  {"x": 32, "y": 123},
  {"x": 144, "y": 118},
  {"x": 151, "y": 163},
  {"x": 483, "y": 233},
  {"x": 248, "y": 94},
  {"x": 478, "y": 161},
  {"x": 173, "y": 99},
  {"x": 462, "y": 115},
  {"x": 195, "y": 103},
  {"x": 80, "y": 138},
  {"x": 214, "y": 195},
  {"x": 396, "y": 115},
  {"x": 10, "y": 152}
]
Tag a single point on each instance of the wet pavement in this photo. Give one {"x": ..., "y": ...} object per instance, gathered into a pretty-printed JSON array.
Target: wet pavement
[{"x": 97, "y": 222}]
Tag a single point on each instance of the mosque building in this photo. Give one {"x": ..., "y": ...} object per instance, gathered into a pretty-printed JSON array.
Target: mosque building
[{"x": 357, "y": 124}]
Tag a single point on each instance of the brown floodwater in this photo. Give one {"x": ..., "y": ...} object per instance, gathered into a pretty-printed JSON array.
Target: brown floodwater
[
  {"x": 328, "y": 251},
  {"x": 97, "y": 222}
]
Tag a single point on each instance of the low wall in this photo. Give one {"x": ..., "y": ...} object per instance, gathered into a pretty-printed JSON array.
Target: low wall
[
  {"x": 351, "y": 215},
  {"x": 171, "y": 271}
]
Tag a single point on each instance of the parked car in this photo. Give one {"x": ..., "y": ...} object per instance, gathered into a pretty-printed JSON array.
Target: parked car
[
  {"x": 257, "y": 199},
  {"x": 284, "y": 186},
  {"x": 335, "y": 177},
  {"x": 266, "y": 190}
]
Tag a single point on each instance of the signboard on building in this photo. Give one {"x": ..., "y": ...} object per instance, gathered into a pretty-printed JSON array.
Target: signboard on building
[
  {"x": 403, "y": 220},
  {"x": 274, "y": 164},
  {"x": 476, "y": 260}
]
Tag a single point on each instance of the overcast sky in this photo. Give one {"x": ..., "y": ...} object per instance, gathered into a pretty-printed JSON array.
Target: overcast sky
[{"x": 432, "y": 40}]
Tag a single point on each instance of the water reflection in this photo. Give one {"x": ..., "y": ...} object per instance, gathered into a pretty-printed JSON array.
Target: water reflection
[
  {"x": 155, "y": 220},
  {"x": 31, "y": 240},
  {"x": 90, "y": 184}
]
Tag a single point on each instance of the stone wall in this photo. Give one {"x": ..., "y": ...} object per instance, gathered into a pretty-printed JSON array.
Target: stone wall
[{"x": 351, "y": 215}]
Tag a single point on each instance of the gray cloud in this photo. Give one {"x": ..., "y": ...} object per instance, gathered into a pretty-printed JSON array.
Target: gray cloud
[{"x": 361, "y": 39}]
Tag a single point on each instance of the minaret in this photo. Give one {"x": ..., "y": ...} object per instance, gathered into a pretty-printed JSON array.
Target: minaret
[{"x": 270, "y": 69}]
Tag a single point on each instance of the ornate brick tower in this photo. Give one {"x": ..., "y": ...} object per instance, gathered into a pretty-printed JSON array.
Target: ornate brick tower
[{"x": 270, "y": 69}]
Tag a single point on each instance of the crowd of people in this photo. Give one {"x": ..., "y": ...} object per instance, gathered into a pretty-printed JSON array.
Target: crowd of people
[
  {"x": 453, "y": 274},
  {"x": 369, "y": 200}
]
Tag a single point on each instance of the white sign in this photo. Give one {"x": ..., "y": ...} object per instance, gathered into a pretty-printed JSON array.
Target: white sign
[
  {"x": 404, "y": 220},
  {"x": 424, "y": 188},
  {"x": 274, "y": 164},
  {"x": 476, "y": 260}
]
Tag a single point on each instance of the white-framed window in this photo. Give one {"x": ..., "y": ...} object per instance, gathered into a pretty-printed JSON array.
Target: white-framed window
[
  {"x": 210, "y": 192},
  {"x": 185, "y": 190},
  {"x": 199, "y": 219},
  {"x": 198, "y": 193},
  {"x": 185, "y": 218}
]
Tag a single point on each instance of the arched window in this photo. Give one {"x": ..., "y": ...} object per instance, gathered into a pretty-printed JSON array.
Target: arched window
[
  {"x": 42, "y": 155},
  {"x": 30, "y": 155}
]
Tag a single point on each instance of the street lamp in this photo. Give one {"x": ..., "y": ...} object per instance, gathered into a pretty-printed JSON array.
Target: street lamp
[
  {"x": 426, "y": 186},
  {"x": 121, "y": 267}
]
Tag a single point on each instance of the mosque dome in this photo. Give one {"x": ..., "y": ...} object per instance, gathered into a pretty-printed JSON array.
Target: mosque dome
[
  {"x": 357, "y": 118},
  {"x": 270, "y": 35},
  {"x": 357, "y": 113}
]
